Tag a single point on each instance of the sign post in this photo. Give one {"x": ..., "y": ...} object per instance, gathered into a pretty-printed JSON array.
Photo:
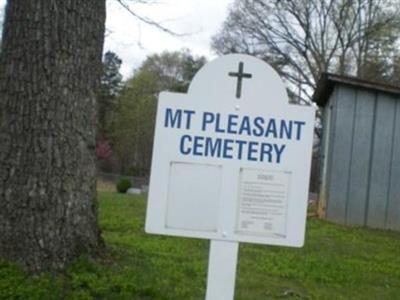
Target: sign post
[
  {"x": 222, "y": 270},
  {"x": 231, "y": 163}
]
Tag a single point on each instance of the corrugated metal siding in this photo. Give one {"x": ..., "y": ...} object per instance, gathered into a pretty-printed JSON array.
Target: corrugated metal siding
[
  {"x": 380, "y": 161},
  {"x": 361, "y": 154},
  {"x": 363, "y": 171},
  {"x": 340, "y": 154},
  {"x": 393, "y": 213},
  {"x": 325, "y": 157}
]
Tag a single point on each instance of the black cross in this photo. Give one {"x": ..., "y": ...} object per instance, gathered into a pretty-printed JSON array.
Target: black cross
[{"x": 240, "y": 75}]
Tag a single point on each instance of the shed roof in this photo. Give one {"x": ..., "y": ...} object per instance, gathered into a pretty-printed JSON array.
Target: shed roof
[{"x": 328, "y": 80}]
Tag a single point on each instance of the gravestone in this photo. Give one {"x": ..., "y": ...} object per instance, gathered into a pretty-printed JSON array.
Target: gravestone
[
  {"x": 231, "y": 163},
  {"x": 134, "y": 191}
]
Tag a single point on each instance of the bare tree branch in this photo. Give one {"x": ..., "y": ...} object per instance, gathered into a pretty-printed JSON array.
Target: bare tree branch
[
  {"x": 304, "y": 38},
  {"x": 148, "y": 20}
]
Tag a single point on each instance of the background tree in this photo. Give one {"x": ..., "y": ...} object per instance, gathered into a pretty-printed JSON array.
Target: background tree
[
  {"x": 135, "y": 119},
  {"x": 134, "y": 124},
  {"x": 110, "y": 86},
  {"x": 304, "y": 38},
  {"x": 174, "y": 70},
  {"x": 51, "y": 66},
  {"x": 107, "y": 104}
]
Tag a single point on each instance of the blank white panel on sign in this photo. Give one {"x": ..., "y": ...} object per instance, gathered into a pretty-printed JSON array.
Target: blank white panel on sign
[
  {"x": 263, "y": 202},
  {"x": 193, "y": 196}
]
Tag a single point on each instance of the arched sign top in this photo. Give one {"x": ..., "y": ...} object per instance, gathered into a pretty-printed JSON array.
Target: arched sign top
[
  {"x": 240, "y": 79},
  {"x": 231, "y": 158}
]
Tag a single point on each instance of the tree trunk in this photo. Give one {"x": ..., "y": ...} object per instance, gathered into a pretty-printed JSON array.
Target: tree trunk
[{"x": 50, "y": 64}]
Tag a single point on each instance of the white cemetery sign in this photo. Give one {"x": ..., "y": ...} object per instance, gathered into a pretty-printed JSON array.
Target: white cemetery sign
[{"x": 231, "y": 163}]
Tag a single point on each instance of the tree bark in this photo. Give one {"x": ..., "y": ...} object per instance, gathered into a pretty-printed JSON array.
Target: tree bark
[{"x": 50, "y": 65}]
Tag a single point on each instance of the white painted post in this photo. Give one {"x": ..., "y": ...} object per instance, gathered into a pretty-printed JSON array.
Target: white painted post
[{"x": 222, "y": 270}]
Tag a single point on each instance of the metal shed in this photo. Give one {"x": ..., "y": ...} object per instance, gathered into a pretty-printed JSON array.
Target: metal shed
[{"x": 360, "y": 173}]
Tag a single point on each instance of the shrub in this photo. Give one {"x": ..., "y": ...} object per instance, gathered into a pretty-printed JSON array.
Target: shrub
[{"x": 123, "y": 185}]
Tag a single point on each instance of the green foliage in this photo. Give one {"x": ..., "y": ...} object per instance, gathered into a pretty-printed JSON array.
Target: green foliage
[
  {"x": 134, "y": 121},
  {"x": 123, "y": 185},
  {"x": 111, "y": 78},
  {"x": 382, "y": 61},
  {"x": 136, "y": 171},
  {"x": 173, "y": 70},
  {"x": 111, "y": 84},
  {"x": 336, "y": 262}
]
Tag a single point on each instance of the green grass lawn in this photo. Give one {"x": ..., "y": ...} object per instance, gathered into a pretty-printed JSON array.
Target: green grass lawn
[{"x": 336, "y": 263}]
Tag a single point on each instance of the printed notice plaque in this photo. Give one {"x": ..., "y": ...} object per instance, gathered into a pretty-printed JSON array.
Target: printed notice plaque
[{"x": 263, "y": 200}]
